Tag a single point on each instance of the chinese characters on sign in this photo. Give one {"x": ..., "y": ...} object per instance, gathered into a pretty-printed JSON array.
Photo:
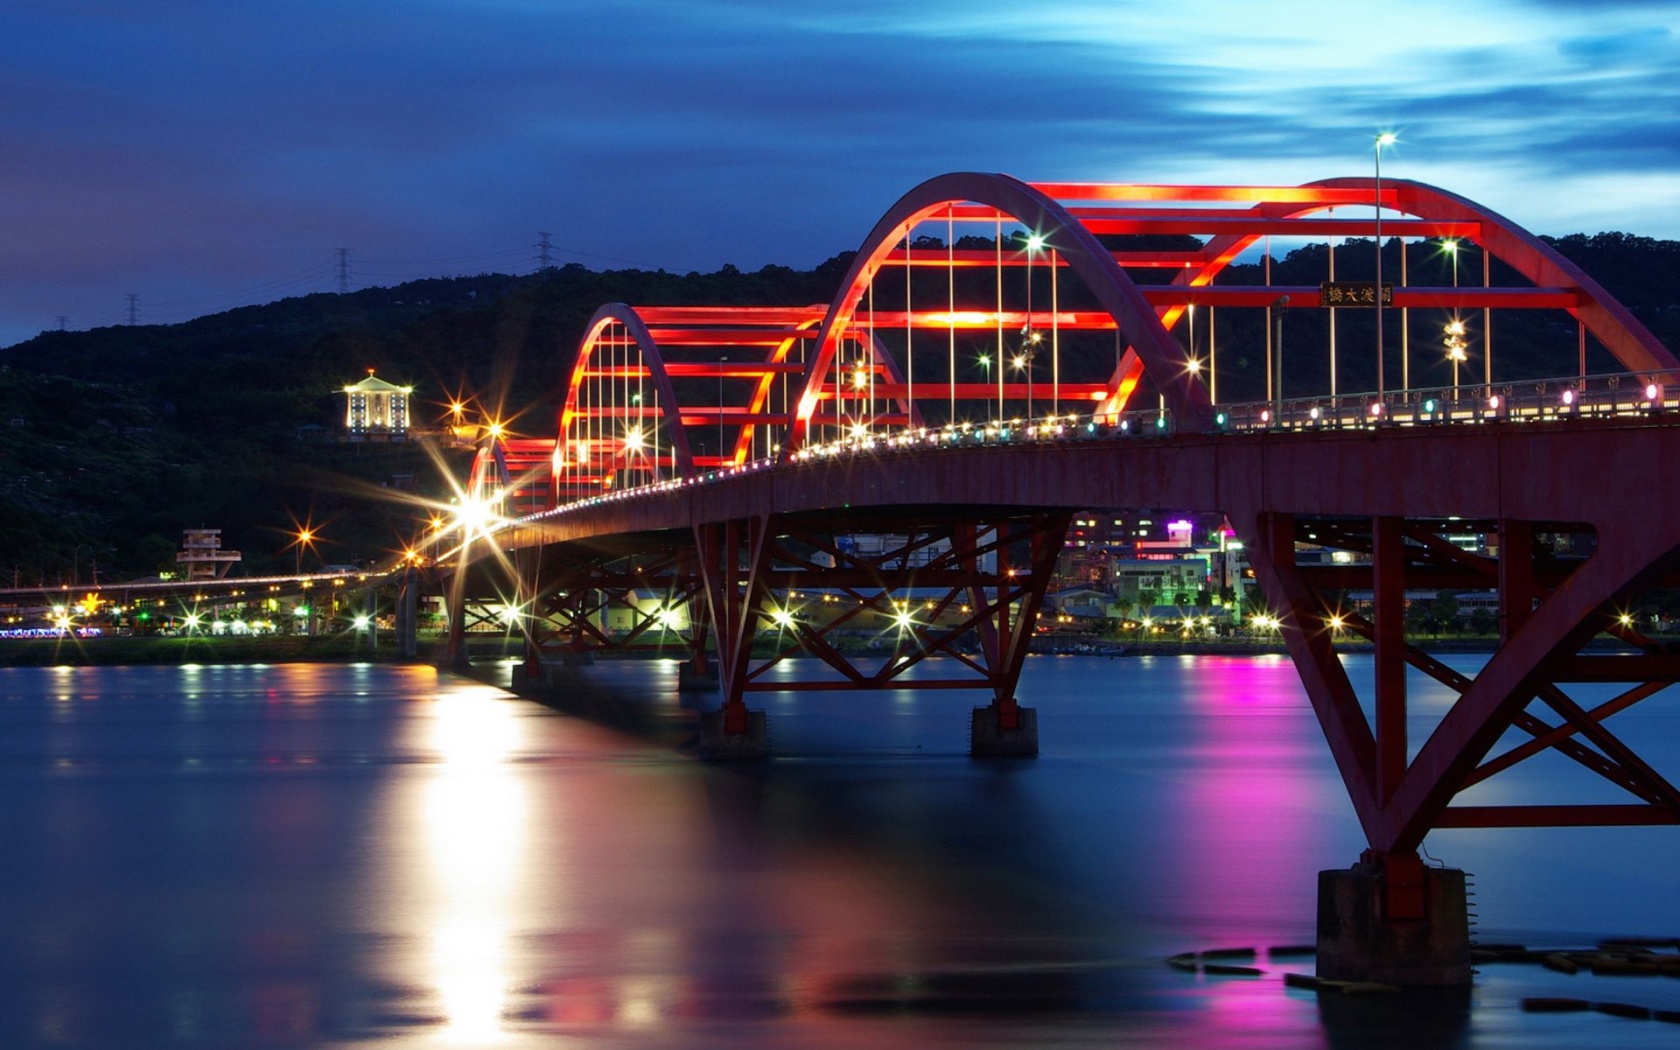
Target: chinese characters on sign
[{"x": 1353, "y": 293}]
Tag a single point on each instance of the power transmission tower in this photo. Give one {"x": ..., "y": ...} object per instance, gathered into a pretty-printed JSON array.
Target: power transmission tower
[
  {"x": 63, "y": 322},
  {"x": 545, "y": 260},
  {"x": 133, "y": 308},
  {"x": 343, "y": 270}
]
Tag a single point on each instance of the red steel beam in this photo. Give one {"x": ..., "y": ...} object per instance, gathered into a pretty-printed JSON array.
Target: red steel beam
[
  {"x": 1227, "y": 295},
  {"x": 969, "y": 258},
  {"x": 656, "y": 316},
  {"x": 1310, "y": 194}
]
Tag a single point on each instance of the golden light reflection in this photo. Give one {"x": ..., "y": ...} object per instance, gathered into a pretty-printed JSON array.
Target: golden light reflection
[{"x": 474, "y": 810}]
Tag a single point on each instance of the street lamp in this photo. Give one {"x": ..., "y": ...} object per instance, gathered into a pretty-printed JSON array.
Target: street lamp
[
  {"x": 1384, "y": 139},
  {"x": 1455, "y": 344},
  {"x": 304, "y": 537},
  {"x": 1030, "y": 338},
  {"x": 1023, "y": 362}
]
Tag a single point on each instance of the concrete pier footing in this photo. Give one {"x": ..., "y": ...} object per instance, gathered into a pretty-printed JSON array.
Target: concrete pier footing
[
  {"x": 690, "y": 680},
  {"x": 523, "y": 679},
  {"x": 986, "y": 739},
  {"x": 716, "y": 745},
  {"x": 1394, "y": 923},
  {"x": 576, "y": 658}
]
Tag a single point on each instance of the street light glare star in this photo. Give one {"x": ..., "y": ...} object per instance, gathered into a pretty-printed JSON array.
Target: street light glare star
[{"x": 1387, "y": 138}]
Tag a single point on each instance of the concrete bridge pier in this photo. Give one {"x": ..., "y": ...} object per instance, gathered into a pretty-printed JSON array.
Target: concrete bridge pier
[
  {"x": 1391, "y": 920},
  {"x": 734, "y": 733},
  {"x": 698, "y": 675},
  {"x": 1003, "y": 729}
]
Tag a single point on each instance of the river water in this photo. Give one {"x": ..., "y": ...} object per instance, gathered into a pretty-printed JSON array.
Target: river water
[{"x": 323, "y": 855}]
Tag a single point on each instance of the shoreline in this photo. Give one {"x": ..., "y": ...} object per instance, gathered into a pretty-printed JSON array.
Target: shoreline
[
  {"x": 344, "y": 648},
  {"x": 118, "y": 651}
]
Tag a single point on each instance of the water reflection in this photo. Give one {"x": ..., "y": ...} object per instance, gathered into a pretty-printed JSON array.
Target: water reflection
[
  {"x": 1259, "y": 807},
  {"x": 474, "y": 812},
  {"x": 331, "y": 855}
]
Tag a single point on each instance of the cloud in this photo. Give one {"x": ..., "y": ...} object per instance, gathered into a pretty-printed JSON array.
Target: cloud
[
  {"x": 1629, "y": 45},
  {"x": 187, "y": 148}
]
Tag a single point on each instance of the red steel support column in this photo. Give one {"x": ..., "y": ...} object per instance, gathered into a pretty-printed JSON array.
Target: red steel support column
[
  {"x": 1517, "y": 590},
  {"x": 455, "y": 607},
  {"x": 964, "y": 539},
  {"x": 732, "y": 557},
  {"x": 527, "y": 566},
  {"x": 1044, "y": 543},
  {"x": 1388, "y": 571},
  {"x": 1308, "y": 637}
]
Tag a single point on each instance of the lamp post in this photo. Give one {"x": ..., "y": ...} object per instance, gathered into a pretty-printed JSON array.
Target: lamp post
[
  {"x": 1024, "y": 363},
  {"x": 1455, "y": 344},
  {"x": 1280, "y": 306},
  {"x": 1384, "y": 139},
  {"x": 304, "y": 536},
  {"x": 1029, "y": 335}
]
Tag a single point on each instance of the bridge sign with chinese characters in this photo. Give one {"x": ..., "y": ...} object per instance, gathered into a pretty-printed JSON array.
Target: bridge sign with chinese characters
[{"x": 1353, "y": 293}]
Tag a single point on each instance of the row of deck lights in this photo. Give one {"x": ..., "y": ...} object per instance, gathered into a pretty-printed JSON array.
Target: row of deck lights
[
  {"x": 1073, "y": 426},
  {"x": 1493, "y": 406}
]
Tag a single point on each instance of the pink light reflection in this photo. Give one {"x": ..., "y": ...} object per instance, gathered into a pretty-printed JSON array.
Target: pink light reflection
[{"x": 1265, "y": 812}]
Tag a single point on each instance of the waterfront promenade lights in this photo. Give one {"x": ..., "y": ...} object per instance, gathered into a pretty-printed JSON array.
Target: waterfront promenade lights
[{"x": 1385, "y": 139}]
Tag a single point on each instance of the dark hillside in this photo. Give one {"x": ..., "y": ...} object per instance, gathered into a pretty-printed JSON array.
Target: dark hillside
[{"x": 114, "y": 440}]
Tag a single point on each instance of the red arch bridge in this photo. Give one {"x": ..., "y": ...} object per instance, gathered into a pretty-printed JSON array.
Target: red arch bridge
[{"x": 1002, "y": 355}]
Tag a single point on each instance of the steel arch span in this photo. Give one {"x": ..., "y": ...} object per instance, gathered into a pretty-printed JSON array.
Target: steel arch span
[
  {"x": 658, "y": 392},
  {"x": 1067, "y": 221}
]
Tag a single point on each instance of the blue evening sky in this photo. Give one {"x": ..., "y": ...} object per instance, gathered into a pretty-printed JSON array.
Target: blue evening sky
[{"x": 204, "y": 154}]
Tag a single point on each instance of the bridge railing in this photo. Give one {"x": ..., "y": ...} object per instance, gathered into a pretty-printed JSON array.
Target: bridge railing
[{"x": 1623, "y": 395}]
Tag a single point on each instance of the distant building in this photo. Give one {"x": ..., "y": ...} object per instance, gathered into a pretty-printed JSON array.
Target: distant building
[
  {"x": 376, "y": 410},
  {"x": 1160, "y": 580},
  {"x": 201, "y": 552}
]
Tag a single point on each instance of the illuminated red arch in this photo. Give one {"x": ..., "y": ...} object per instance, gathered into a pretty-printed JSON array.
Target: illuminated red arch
[
  {"x": 648, "y": 347},
  {"x": 1069, "y": 218},
  {"x": 1161, "y": 356},
  {"x": 1071, "y": 232},
  {"x": 1629, "y": 341},
  {"x": 761, "y": 342},
  {"x": 513, "y": 472}
]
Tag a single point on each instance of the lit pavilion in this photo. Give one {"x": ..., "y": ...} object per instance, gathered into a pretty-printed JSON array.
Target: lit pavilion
[{"x": 376, "y": 410}]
